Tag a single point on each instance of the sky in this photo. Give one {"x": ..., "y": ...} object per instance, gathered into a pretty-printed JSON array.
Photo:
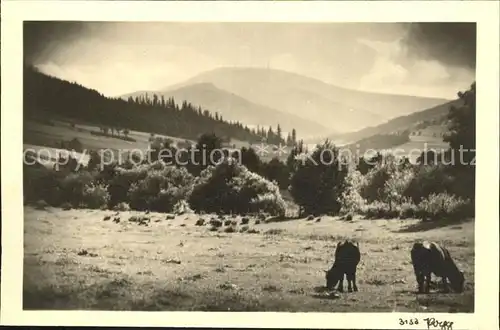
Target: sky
[{"x": 115, "y": 58}]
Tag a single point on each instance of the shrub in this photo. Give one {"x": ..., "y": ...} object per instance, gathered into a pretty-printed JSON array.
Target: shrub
[
  {"x": 317, "y": 181},
  {"x": 95, "y": 196},
  {"x": 444, "y": 206},
  {"x": 351, "y": 200},
  {"x": 182, "y": 206},
  {"x": 160, "y": 189},
  {"x": 398, "y": 182},
  {"x": 231, "y": 188},
  {"x": 40, "y": 204},
  {"x": 66, "y": 206},
  {"x": 229, "y": 230},
  {"x": 122, "y": 206},
  {"x": 429, "y": 179},
  {"x": 407, "y": 209},
  {"x": 40, "y": 183},
  {"x": 80, "y": 190},
  {"x": 121, "y": 179},
  {"x": 379, "y": 210}
]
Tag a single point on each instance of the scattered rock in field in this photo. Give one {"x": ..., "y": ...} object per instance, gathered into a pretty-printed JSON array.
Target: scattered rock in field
[
  {"x": 172, "y": 261},
  {"x": 92, "y": 254},
  {"x": 157, "y": 220},
  {"x": 213, "y": 228},
  {"x": 180, "y": 244},
  {"x": 200, "y": 222},
  {"x": 310, "y": 217},
  {"x": 190, "y": 278},
  {"x": 228, "y": 286},
  {"x": 106, "y": 218},
  {"x": 215, "y": 222},
  {"x": 308, "y": 248},
  {"x": 134, "y": 219},
  {"x": 253, "y": 231},
  {"x": 83, "y": 252},
  {"x": 297, "y": 291},
  {"x": 116, "y": 220},
  {"x": 245, "y": 220},
  {"x": 220, "y": 269},
  {"x": 286, "y": 256},
  {"x": 183, "y": 225},
  {"x": 271, "y": 288},
  {"x": 229, "y": 229},
  {"x": 170, "y": 217},
  {"x": 318, "y": 219},
  {"x": 144, "y": 221}
]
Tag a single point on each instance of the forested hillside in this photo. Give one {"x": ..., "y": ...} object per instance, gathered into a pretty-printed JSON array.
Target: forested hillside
[{"x": 157, "y": 115}]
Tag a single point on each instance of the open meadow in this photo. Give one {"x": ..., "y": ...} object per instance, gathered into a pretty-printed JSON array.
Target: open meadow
[{"x": 75, "y": 259}]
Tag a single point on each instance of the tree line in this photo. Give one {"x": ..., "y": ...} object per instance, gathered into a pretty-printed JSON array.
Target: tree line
[{"x": 142, "y": 113}]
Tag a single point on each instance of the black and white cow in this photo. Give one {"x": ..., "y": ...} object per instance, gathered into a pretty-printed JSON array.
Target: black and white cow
[{"x": 430, "y": 257}]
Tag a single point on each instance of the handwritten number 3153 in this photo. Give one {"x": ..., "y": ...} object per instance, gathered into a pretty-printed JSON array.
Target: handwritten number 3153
[{"x": 408, "y": 322}]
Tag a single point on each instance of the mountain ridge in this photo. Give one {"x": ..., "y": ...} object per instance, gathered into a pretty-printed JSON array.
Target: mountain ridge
[{"x": 341, "y": 109}]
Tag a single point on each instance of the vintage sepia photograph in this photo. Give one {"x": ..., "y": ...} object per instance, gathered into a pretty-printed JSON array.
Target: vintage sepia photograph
[
  {"x": 249, "y": 166},
  {"x": 179, "y": 164}
]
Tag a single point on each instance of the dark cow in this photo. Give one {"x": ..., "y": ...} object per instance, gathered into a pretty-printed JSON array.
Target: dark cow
[
  {"x": 430, "y": 257},
  {"x": 347, "y": 257}
]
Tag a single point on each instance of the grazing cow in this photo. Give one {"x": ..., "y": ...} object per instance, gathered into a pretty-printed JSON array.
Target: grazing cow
[
  {"x": 429, "y": 257},
  {"x": 347, "y": 257}
]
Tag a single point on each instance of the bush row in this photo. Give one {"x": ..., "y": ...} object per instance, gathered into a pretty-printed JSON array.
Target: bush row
[{"x": 226, "y": 188}]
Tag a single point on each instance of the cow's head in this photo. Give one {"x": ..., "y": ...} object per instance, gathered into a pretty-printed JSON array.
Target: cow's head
[
  {"x": 333, "y": 276},
  {"x": 457, "y": 282}
]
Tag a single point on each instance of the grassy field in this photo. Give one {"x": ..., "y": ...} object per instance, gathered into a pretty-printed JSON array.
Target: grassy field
[{"x": 74, "y": 259}]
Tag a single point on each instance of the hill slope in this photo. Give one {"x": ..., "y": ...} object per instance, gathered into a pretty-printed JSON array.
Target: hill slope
[
  {"x": 235, "y": 108},
  {"x": 338, "y": 108},
  {"x": 60, "y": 98},
  {"x": 412, "y": 122}
]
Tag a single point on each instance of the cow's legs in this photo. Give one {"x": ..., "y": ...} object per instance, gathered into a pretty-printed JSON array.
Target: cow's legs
[
  {"x": 349, "y": 282},
  {"x": 340, "y": 288},
  {"x": 355, "y": 287},
  {"x": 427, "y": 282},
  {"x": 420, "y": 281},
  {"x": 445, "y": 284}
]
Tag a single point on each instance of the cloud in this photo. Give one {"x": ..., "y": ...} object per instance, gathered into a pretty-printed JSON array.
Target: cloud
[
  {"x": 450, "y": 43},
  {"x": 394, "y": 70}
]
